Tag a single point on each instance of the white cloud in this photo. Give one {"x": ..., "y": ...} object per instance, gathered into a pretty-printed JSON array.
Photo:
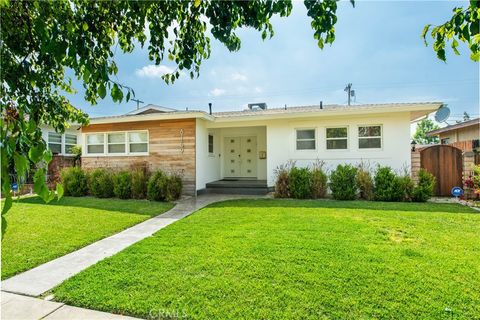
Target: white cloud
[
  {"x": 236, "y": 76},
  {"x": 153, "y": 71},
  {"x": 217, "y": 92},
  {"x": 258, "y": 89}
]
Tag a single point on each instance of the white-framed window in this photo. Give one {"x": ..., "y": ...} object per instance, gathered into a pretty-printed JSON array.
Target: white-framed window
[
  {"x": 96, "y": 143},
  {"x": 305, "y": 139},
  {"x": 210, "y": 144},
  {"x": 70, "y": 142},
  {"x": 138, "y": 142},
  {"x": 370, "y": 137},
  {"x": 55, "y": 142},
  {"x": 337, "y": 138},
  {"x": 117, "y": 143}
]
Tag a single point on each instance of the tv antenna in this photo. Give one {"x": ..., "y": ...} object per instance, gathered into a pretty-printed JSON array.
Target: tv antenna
[
  {"x": 350, "y": 92},
  {"x": 138, "y": 102}
]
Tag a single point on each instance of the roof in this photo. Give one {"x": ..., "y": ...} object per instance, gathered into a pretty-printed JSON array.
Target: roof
[
  {"x": 417, "y": 110},
  {"x": 151, "y": 108},
  {"x": 465, "y": 124}
]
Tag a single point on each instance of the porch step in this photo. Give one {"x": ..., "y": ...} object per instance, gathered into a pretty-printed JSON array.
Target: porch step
[{"x": 248, "y": 187}]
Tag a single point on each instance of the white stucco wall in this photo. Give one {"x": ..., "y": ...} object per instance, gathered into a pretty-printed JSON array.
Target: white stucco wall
[{"x": 207, "y": 165}]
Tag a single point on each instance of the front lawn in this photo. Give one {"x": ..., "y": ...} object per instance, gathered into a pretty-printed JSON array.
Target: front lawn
[
  {"x": 39, "y": 232},
  {"x": 283, "y": 259}
]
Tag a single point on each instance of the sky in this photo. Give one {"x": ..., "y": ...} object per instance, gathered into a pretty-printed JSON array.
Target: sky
[{"x": 378, "y": 48}]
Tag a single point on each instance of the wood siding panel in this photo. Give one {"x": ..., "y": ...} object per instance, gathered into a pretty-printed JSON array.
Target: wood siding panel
[{"x": 165, "y": 152}]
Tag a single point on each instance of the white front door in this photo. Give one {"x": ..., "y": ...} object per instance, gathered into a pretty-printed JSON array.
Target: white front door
[{"x": 240, "y": 157}]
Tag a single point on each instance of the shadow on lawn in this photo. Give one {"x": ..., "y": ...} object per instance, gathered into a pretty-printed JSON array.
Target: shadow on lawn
[
  {"x": 143, "y": 207},
  {"x": 357, "y": 204}
]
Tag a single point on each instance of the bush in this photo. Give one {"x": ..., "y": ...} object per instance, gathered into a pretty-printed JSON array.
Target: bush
[
  {"x": 156, "y": 186},
  {"x": 300, "y": 183},
  {"x": 387, "y": 185},
  {"x": 74, "y": 182},
  {"x": 405, "y": 187},
  {"x": 364, "y": 182},
  {"x": 319, "y": 180},
  {"x": 425, "y": 186},
  {"x": 139, "y": 184},
  {"x": 343, "y": 182},
  {"x": 100, "y": 183},
  {"x": 282, "y": 173},
  {"x": 122, "y": 185},
  {"x": 173, "y": 187}
]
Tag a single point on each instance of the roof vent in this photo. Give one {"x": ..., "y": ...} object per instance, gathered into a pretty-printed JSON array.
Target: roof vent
[{"x": 257, "y": 106}]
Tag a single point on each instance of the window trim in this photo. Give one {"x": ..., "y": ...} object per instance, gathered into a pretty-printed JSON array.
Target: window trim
[
  {"x": 371, "y": 137},
  {"x": 69, "y": 144},
  {"x": 315, "y": 139},
  {"x": 347, "y": 138},
  {"x": 63, "y": 142},
  {"x": 105, "y": 152},
  {"x": 116, "y": 143}
]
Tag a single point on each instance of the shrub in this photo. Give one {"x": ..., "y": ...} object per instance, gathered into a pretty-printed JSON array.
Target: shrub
[
  {"x": 300, "y": 183},
  {"x": 100, "y": 183},
  {"x": 74, "y": 182},
  {"x": 139, "y": 184},
  {"x": 425, "y": 186},
  {"x": 405, "y": 187},
  {"x": 319, "y": 180},
  {"x": 343, "y": 182},
  {"x": 282, "y": 173},
  {"x": 387, "y": 185},
  {"x": 156, "y": 186},
  {"x": 122, "y": 185},
  {"x": 173, "y": 187},
  {"x": 364, "y": 181},
  {"x": 476, "y": 179}
]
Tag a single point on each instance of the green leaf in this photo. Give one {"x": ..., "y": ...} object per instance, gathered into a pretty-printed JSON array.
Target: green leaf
[
  {"x": 39, "y": 184},
  {"x": 36, "y": 153},
  {"x": 197, "y": 3},
  {"x": 454, "y": 47},
  {"x": 85, "y": 26},
  {"x": 475, "y": 56},
  {"x": 21, "y": 164},
  {"x": 102, "y": 92},
  {"x": 47, "y": 156},
  {"x": 7, "y": 203},
  {"x": 59, "y": 190}
]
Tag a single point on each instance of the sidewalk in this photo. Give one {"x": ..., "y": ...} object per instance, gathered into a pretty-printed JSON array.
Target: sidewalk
[{"x": 45, "y": 277}]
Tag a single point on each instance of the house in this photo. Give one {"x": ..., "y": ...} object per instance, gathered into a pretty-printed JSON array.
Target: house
[
  {"x": 242, "y": 149},
  {"x": 464, "y": 135}
]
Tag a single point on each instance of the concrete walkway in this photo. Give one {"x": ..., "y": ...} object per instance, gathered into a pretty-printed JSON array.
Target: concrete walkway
[{"x": 38, "y": 280}]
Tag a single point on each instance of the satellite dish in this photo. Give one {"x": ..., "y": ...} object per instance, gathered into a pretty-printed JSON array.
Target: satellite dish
[{"x": 442, "y": 114}]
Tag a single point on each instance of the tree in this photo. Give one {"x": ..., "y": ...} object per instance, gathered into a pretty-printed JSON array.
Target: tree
[
  {"x": 424, "y": 126},
  {"x": 40, "y": 40},
  {"x": 463, "y": 26},
  {"x": 466, "y": 117}
]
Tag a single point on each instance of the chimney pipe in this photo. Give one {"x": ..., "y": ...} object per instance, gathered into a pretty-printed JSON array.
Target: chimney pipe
[
  {"x": 321, "y": 104},
  {"x": 210, "y": 107}
]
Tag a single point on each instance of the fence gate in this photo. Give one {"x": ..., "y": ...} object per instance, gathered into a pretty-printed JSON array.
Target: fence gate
[{"x": 445, "y": 163}]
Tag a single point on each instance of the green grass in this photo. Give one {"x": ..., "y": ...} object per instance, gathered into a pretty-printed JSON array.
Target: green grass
[
  {"x": 281, "y": 259},
  {"x": 39, "y": 232}
]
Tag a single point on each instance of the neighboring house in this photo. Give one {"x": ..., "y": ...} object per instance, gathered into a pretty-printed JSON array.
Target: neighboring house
[
  {"x": 464, "y": 135},
  {"x": 247, "y": 146}
]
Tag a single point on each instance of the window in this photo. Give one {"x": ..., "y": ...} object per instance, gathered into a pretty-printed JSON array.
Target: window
[
  {"x": 70, "y": 142},
  {"x": 210, "y": 143},
  {"x": 305, "y": 139},
  {"x": 337, "y": 138},
  {"x": 138, "y": 142},
  {"x": 55, "y": 142},
  {"x": 95, "y": 143},
  {"x": 116, "y": 142},
  {"x": 370, "y": 137},
  {"x": 445, "y": 140}
]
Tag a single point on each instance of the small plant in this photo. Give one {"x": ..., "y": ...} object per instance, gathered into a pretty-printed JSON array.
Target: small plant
[
  {"x": 364, "y": 181},
  {"x": 319, "y": 180},
  {"x": 173, "y": 187},
  {"x": 122, "y": 185},
  {"x": 387, "y": 185},
  {"x": 476, "y": 179},
  {"x": 139, "y": 184},
  {"x": 282, "y": 173},
  {"x": 100, "y": 183},
  {"x": 425, "y": 186},
  {"x": 74, "y": 182},
  {"x": 300, "y": 183},
  {"x": 405, "y": 187},
  {"x": 156, "y": 186},
  {"x": 343, "y": 182}
]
